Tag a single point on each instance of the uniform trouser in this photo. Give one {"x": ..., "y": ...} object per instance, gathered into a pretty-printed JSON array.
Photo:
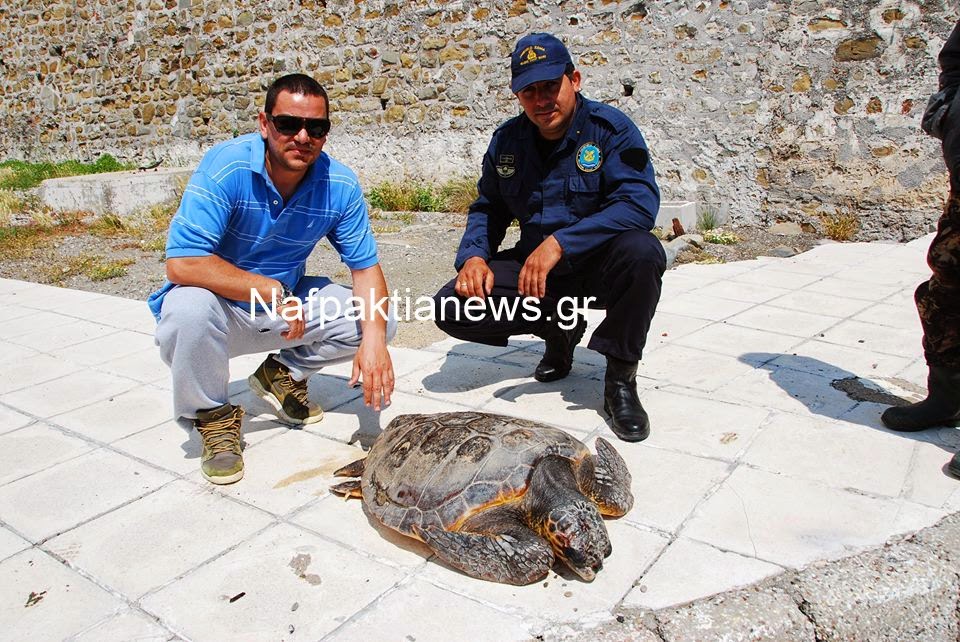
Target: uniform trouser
[
  {"x": 938, "y": 300},
  {"x": 624, "y": 276},
  {"x": 199, "y": 332}
]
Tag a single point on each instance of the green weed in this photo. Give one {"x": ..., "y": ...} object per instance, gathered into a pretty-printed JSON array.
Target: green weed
[
  {"x": 10, "y": 204},
  {"x": 19, "y": 241},
  {"x": 21, "y": 175},
  {"x": 91, "y": 266},
  {"x": 707, "y": 219},
  {"x": 157, "y": 243},
  {"x": 719, "y": 237},
  {"x": 108, "y": 225},
  {"x": 405, "y": 197},
  {"x": 109, "y": 270}
]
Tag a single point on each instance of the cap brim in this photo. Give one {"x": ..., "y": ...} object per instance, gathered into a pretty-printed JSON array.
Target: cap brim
[{"x": 539, "y": 73}]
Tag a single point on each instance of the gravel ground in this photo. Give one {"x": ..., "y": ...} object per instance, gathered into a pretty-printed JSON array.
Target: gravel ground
[{"x": 417, "y": 258}]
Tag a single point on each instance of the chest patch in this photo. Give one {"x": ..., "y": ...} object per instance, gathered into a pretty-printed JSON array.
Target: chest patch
[
  {"x": 589, "y": 157},
  {"x": 505, "y": 166}
]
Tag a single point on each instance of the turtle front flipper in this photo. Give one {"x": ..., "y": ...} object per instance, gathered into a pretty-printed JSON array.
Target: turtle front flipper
[
  {"x": 350, "y": 488},
  {"x": 519, "y": 556},
  {"x": 353, "y": 469},
  {"x": 605, "y": 479}
]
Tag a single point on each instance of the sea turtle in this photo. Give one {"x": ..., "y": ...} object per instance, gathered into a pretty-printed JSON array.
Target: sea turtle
[{"x": 497, "y": 497}]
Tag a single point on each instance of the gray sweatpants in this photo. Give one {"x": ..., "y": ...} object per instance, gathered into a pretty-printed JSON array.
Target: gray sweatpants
[{"x": 199, "y": 332}]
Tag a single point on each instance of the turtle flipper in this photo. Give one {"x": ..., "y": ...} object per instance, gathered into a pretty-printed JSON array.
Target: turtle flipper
[
  {"x": 519, "y": 557},
  {"x": 353, "y": 469},
  {"x": 605, "y": 479},
  {"x": 348, "y": 489}
]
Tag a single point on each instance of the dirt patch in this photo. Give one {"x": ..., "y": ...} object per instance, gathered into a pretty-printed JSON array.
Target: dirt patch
[
  {"x": 416, "y": 253},
  {"x": 748, "y": 243}
]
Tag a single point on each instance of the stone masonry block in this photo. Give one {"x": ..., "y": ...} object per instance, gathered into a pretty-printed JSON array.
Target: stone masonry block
[
  {"x": 944, "y": 537},
  {"x": 765, "y": 612},
  {"x": 900, "y": 592}
]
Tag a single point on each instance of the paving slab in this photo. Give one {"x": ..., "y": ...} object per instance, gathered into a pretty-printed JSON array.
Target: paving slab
[
  {"x": 283, "y": 581},
  {"x": 768, "y": 494},
  {"x": 43, "y": 599}
]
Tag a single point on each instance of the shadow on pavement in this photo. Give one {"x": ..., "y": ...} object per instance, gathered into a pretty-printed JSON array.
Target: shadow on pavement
[{"x": 836, "y": 393}]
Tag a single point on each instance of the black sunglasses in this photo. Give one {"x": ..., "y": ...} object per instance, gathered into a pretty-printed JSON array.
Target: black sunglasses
[{"x": 291, "y": 125}]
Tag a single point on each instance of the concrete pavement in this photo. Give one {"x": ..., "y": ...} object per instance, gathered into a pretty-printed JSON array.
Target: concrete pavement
[{"x": 767, "y": 461}]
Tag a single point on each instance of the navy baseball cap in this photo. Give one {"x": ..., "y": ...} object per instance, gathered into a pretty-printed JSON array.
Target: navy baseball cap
[{"x": 537, "y": 57}]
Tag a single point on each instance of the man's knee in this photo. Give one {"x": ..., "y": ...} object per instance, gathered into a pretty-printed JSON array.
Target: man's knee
[
  {"x": 446, "y": 307},
  {"x": 189, "y": 315},
  {"x": 638, "y": 250}
]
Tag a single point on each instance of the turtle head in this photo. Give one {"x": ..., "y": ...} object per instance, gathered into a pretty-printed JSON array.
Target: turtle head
[{"x": 578, "y": 536}]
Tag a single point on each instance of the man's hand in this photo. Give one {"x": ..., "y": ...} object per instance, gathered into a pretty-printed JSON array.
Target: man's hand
[
  {"x": 292, "y": 312},
  {"x": 533, "y": 274},
  {"x": 373, "y": 364},
  {"x": 475, "y": 278}
]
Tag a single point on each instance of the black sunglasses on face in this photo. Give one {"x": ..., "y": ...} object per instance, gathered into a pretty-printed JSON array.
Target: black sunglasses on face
[{"x": 291, "y": 125}]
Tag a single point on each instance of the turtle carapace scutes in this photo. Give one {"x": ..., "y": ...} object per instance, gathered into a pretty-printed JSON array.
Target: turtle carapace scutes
[{"x": 496, "y": 497}]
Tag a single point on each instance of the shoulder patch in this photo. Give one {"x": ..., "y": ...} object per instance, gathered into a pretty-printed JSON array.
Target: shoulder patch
[{"x": 635, "y": 157}]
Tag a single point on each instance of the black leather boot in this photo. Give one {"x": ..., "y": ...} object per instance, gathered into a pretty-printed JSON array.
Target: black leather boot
[
  {"x": 629, "y": 420},
  {"x": 940, "y": 408},
  {"x": 954, "y": 465},
  {"x": 558, "y": 351}
]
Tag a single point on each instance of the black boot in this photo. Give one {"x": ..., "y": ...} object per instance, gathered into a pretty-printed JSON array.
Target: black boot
[
  {"x": 629, "y": 420},
  {"x": 940, "y": 408},
  {"x": 954, "y": 465},
  {"x": 558, "y": 351}
]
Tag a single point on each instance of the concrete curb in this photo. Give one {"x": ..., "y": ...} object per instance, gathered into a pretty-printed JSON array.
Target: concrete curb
[{"x": 908, "y": 589}]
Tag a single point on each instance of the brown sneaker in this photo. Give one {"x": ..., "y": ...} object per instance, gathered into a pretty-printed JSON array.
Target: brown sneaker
[
  {"x": 221, "y": 461},
  {"x": 272, "y": 383}
]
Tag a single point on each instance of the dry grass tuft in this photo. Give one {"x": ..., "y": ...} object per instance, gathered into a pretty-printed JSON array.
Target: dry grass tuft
[
  {"x": 459, "y": 194},
  {"x": 92, "y": 266},
  {"x": 840, "y": 226}
]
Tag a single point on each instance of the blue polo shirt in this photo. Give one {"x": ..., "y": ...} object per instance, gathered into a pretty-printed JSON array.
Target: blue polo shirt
[
  {"x": 231, "y": 209},
  {"x": 596, "y": 183}
]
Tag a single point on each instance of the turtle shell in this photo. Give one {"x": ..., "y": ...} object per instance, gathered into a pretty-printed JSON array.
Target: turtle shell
[{"x": 440, "y": 469}]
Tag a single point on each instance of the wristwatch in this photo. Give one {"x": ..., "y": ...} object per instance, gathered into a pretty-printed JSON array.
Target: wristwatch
[{"x": 285, "y": 293}]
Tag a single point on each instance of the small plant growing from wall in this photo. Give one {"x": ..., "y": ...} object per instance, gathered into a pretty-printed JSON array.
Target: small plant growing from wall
[
  {"x": 842, "y": 224},
  {"x": 707, "y": 219}
]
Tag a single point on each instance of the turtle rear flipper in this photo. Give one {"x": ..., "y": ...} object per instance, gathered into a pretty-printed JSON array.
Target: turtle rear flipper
[
  {"x": 353, "y": 469},
  {"x": 605, "y": 479},
  {"x": 348, "y": 489},
  {"x": 518, "y": 557}
]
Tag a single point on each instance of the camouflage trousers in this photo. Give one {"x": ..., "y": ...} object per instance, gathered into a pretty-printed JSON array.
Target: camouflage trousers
[{"x": 938, "y": 300}]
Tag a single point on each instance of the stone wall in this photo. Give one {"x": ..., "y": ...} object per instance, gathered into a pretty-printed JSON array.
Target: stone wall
[{"x": 758, "y": 109}]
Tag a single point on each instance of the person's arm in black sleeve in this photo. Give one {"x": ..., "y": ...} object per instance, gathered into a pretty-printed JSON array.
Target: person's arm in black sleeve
[
  {"x": 934, "y": 120},
  {"x": 488, "y": 217},
  {"x": 950, "y": 60}
]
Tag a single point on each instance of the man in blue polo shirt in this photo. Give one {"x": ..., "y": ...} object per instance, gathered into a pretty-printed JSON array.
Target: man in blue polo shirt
[
  {"x": 236, "y": 260},
  {"x": 577, "y": 176}
]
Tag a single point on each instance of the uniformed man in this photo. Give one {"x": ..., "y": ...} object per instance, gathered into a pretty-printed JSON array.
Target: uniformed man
[
  {"x": 577, "y": 176},
  {"x": 938, "y": 300}
]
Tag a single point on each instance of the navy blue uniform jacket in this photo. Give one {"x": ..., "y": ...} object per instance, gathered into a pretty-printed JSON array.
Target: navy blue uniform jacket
[{"x": 597, "y": 183}]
